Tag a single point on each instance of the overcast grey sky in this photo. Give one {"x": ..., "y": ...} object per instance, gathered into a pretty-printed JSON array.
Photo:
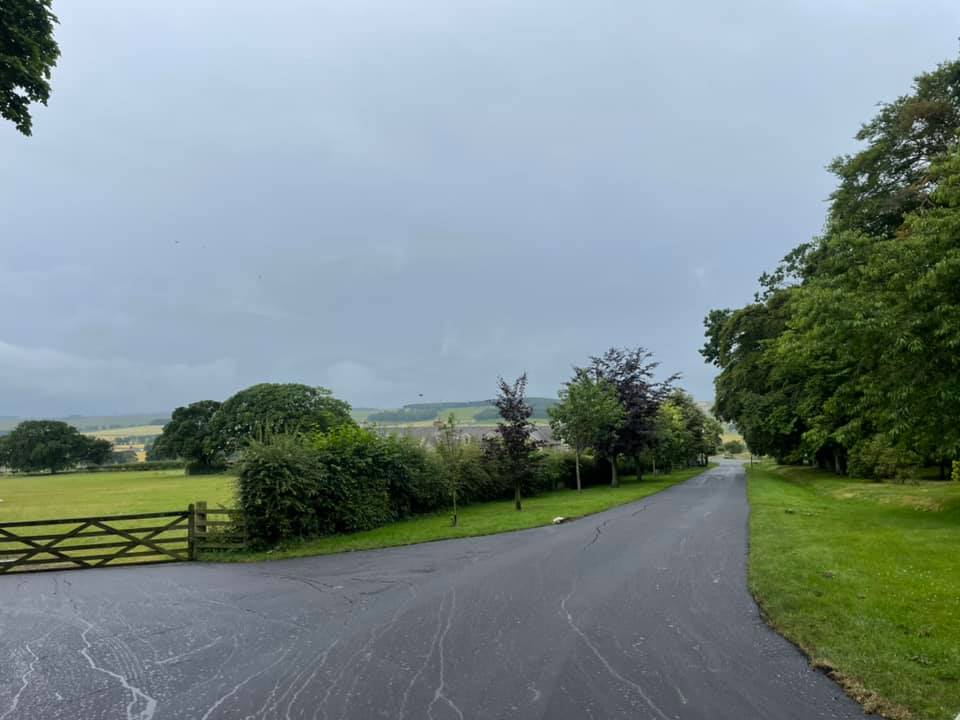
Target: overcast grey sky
[{"x": 394, "y": 198}]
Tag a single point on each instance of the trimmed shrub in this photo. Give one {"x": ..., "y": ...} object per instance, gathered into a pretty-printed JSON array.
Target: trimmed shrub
[
  {"x": 416, "y": 478},
  {"x": 278, "y": 489},
  {"x": 478, "y": 480},
  {"x": 365, "y": 484}
]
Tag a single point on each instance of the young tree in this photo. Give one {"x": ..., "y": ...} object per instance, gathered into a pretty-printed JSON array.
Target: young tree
[
  {"x": 631, "y": 372},
  {"x": 28, "y": 53},
  {"x": 450, "y": 451},
  {"x": 517, "y": 447},
  {"x": 589, "y": 410}
]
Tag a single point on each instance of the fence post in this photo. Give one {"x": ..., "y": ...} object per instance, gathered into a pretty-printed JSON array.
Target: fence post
[
  {"x": 192, "y": 532},
  {"x": 200, "y": 522}
]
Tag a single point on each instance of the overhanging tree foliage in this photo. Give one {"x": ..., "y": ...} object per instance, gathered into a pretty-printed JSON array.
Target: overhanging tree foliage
[
  {"x": 849, "y": 355},
  {"x": 28, "y": 53}
]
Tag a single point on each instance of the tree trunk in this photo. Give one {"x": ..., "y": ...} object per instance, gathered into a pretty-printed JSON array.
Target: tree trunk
[
  {"x": 455, "y": 519},
  {"x": 654, "y": 465},
  {"x": 516, "y": 495},
  {"x": 639, "y": 468},
  {"x": 577, "y": 458},
  {"x": 614, "y": 480}
]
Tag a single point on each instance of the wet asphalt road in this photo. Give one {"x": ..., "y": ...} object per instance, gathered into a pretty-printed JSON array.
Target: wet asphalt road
[{"x": 639, "y": 612}]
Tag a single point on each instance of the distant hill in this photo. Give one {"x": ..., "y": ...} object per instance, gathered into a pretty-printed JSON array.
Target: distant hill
[
  {"x": 91, "y": 423},
  {"x": 469, "y": 412}
]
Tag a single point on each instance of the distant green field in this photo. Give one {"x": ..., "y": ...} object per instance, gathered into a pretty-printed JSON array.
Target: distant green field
[
  {"x": 86, "y": 423},
  {"x": 42, "y": 497},
  {"x": 466, "y": 415},
  {"x": 132, "y": 431}
]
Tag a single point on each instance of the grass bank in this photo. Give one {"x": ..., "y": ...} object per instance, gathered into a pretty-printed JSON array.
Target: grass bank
[
  {"x": 865, "y": 577},
  {"x": 481, "y": 519},
  {"x": 42, "y": 497}
]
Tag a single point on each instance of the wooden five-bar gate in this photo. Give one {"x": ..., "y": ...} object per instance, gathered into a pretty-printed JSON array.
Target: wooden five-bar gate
[{"x": 89, "y": 542}]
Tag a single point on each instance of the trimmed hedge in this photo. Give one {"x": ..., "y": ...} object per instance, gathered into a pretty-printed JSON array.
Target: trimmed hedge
[
  {"x": 278, "y": 489},
  {"x": 352, "y": 479}
]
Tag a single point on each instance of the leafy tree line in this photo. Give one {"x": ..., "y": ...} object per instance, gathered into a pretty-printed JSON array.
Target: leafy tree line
[
  {"x": 849, "y": 356},
  {"x": 614, "y": 407}
]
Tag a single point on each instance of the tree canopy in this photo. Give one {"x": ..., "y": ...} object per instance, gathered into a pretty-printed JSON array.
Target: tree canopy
[
  {"x": 189, "y": 435},
  {"x": 588, "y": 413},
  {"x": 685, "y": 435},
  {"x": 28, "y": 54},
  {"x": 37, "y": 445},
  {"x": 849, "y": 354},
  {"x": 631, "y": 372},
  {"x": 276, "y": 409}
]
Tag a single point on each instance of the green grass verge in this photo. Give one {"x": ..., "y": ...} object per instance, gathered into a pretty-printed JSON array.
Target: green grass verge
[
  {"x": 480, "y": 519},
  {"x": 42, "y": 497},
  {"x": 865, "y": 578}
]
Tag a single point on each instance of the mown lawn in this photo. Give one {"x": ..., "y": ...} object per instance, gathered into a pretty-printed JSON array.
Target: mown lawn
[
  {"x": 865, "y": 577},
  {"x": 66, "y": 495},
  {"x": 481, "y": 519}
]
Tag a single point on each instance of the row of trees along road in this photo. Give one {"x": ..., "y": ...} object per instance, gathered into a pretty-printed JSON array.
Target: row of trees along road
[
  {"x": 849, "y": 355},
  {"x": 39, "y": 445},
  {"x": 615, "y": 408}
]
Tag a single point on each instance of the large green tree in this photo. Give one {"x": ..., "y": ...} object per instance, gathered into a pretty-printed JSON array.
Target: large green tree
[
  {"x": 189, "y": 435},
  {"x": 28, "y": 53},
  {"x": 268, "y": 409},
  {"x": 588, "y": 412},
  {"x": 891, "y": 176},
  {"x": 848, "y": 354},
  {"x": 37, "y": 445}
]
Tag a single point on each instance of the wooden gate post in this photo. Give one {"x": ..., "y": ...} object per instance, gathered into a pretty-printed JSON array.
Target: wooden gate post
[
  {"x": 192, "y": 532},
  {"x": 200, "y": 524}
]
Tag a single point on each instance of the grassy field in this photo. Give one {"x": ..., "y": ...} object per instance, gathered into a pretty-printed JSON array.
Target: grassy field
[
  {"x": 865, "y": 577},
  {"x": 466, "y": 415},
  {"x": 133, "y": 431},
  {"x": 41, "y": 497},
  {"x": 483, "y": 518}
]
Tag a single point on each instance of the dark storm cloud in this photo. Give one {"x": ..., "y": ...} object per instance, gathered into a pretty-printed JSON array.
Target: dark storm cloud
[{"x": 405, "y": 198}]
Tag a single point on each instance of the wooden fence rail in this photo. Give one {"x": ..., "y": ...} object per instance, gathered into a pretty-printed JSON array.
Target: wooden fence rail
[{"x": 89, "y": 542}]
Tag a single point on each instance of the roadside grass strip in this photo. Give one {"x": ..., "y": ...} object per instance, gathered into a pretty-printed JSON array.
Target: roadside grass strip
[{"x": 865, "y": 578}]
